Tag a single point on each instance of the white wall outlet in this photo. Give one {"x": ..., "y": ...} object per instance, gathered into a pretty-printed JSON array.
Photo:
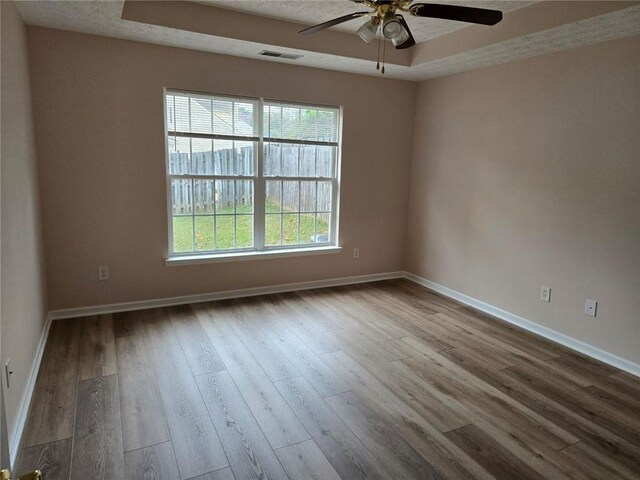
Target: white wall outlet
[
  {"x": 103, "y": 273},
  {"x": 545, "y": 294},
  {"x": 356, "y": 253},
  {"x": 8, "y": 372},
  {"x": 590, "y": 308}
]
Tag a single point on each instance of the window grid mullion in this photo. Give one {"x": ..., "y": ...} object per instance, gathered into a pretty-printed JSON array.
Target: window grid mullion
[
  {"x": 281, "y": 211},
  {"x": 315, "y": 161},
  {"x": 193, "y": 220},
  {"x": 235, "y": 210},
  {"x": 333, "y": 210},
  {"x": 295, "y": 141},
  {"x": 233, "y": 118},
  {"x": 297, "y": 179},
  {"x": 170, "y": 182},
  {"x": 210, "y": 177},
  {"x": 213, "y": 136},
  {"x": 190, "y": 166},
  {"x": 299, "y": 208},
  {"x": 299, "y": 183},
  {"x": 215, "y": 215},
  {"x": 315, "y": 214},
  {"x": 213, "y": 181},
  {"x": 259, "y": 189},
  {"x": 190, "y": 163}
]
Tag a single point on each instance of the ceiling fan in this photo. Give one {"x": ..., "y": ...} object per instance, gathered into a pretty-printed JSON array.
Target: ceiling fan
[{"x": 393, "y": 26}]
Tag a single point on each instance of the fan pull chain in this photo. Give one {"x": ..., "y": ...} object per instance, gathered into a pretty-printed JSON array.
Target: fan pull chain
[
  {"x": 384, "y": 48},
  {"x": 378, "y": 64}
]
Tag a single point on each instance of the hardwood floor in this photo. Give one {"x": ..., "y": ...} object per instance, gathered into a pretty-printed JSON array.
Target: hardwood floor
[{"x": 384, "y": 380}]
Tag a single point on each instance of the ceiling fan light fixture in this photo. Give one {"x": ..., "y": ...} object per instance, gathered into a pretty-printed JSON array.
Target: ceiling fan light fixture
[
  {"x": 401, "y": 38},
  {"x": 391, "y": 27},
  {"x": 368, "y": 30},
  {"x": 385, "y": 15}
]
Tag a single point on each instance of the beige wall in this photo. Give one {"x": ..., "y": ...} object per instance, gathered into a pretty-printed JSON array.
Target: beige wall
[
  {"x": 23, "y": 298},
  {"x": 522, "y": 175},
  {"x": 528, "y": 174},
  {"x": 99, "y": 120}
]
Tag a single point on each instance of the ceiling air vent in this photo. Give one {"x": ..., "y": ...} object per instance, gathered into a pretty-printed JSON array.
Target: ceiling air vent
[{"x": 288, "y": 56}]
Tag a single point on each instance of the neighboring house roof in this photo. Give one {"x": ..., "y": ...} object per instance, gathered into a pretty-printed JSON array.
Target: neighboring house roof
[
  {"x": 204, "y": 109},
  {"x": 240, "y": 127}
]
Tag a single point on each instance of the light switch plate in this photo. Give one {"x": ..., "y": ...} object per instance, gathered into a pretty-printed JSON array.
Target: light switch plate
[
  {"x": 103, "y": 273},
  {"x": 545, "y": 294}
]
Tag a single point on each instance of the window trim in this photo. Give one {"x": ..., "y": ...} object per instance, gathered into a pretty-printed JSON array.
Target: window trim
[
  {"x": 250, "y": 255},
  {"x": 259, "y": 249}
]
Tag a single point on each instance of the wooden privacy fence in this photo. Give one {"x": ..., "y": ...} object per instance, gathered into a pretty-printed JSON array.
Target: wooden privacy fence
[{"x": 280, "y": 159}]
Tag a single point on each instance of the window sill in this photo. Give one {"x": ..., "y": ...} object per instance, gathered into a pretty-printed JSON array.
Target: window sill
[{"x": 248, "y": 256}]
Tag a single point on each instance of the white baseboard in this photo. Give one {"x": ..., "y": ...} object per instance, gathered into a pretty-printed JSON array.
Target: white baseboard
[
  {"x": 533, "y": 327},
  {"x": 15, "y": 436},
  {"x": 208, "y": 297}
]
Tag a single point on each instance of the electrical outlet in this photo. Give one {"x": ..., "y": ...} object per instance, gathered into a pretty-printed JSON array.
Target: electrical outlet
[
  {"x": 103, "y": 273},
  {"x": 8, "y": 372},
  {"x": 590, "y": 308},
  {"x": 545, "y": 294},
  {"x": 356, "y": 253}
]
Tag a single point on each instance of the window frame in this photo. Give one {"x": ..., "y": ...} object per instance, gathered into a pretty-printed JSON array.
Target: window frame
[{"x": 259, "y": 180}]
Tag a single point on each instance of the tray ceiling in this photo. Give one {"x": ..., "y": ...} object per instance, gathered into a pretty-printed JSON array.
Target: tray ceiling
[
  {"x": 310, "y": 12},
  {"x": 243, "y": 28}
]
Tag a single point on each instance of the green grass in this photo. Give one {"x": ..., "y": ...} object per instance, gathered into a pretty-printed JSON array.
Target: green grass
[{"x": 224, "y": 226}]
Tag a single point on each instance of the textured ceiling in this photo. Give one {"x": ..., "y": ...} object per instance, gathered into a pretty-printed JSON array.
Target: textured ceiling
[
  {"x": 316, "y": 11},
  {"x": 104, "y": 18},
  {"x": 617, "y": 24}
]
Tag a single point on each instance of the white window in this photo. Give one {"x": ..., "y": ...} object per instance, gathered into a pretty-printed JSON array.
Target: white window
[{"x": 249, "y": 175}]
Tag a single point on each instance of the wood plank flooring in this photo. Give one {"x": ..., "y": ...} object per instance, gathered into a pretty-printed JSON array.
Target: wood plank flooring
[{"x": 385, "y": 380}]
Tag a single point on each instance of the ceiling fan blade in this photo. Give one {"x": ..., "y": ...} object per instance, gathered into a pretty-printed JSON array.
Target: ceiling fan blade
[
  {"x": 409, "y": 42},
  {"x": 455, "y": 12},
  {"x": 331, "y": 23}
]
